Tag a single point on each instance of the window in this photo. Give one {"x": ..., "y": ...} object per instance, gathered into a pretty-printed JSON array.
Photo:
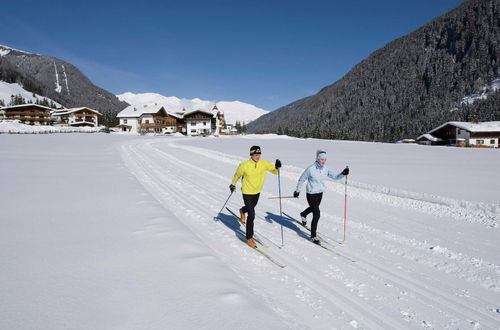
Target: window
[
  {"x": 204, "y": 123},
  {"x": 459, "y": 131},
  {"x": 480, "y": 141},
  {"x": 492, "y": 141},
  {"x": 193, "y": 131},
  {"x": 147, "y": 121},
  {"x": 124, "y": 121}
]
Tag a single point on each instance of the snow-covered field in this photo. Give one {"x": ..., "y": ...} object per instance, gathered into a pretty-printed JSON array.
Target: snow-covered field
[{"x": 113, "y": 231}]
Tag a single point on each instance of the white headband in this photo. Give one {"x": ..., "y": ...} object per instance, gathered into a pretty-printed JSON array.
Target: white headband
[{"x": 321, "y": 155}]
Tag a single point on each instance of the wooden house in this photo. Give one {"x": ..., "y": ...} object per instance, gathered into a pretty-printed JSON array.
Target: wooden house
[
  {"x": 149, "y": 119},
  {"x": 476, "y": 134},
  {"x": 76, "y": 117},
  {"x": 30, "y": 114}
]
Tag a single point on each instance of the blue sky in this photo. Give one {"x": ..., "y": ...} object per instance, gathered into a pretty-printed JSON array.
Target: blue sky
[{"x": 268, "y": 53}]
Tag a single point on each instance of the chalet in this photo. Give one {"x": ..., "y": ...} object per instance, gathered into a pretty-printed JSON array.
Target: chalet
[
  {"x": 200, "y": 122},
  {"x": 478, "y": 134},
  {"x": 76, "y": 117},
  {"x": 30, "y": 114},
  {"x": 149, "y": 119}
]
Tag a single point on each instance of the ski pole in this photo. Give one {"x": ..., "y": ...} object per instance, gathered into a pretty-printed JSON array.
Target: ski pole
[
  {"x": 281, "y": 210},
  {"x": 345, "y": 206},
  {"x": 222, "y": 208}
]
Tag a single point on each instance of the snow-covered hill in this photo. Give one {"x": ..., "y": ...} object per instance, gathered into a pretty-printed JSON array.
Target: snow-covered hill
[
  {"x": 7, "y": 89},
  {"x": 55, "y": 79},
  {"x": 233, "y": 110}
]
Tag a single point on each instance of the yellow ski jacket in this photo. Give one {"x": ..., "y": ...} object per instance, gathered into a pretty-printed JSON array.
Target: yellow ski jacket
[{"x": 254, "y": 174}]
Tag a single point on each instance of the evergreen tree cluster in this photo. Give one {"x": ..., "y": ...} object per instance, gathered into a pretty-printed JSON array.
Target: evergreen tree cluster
[
  {"x": 240, "y": 127},
  {"x": 408, "y": 87}
]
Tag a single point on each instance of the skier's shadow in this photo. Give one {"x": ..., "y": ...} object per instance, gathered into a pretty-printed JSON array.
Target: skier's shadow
[
  {"x": 285, "y": 222},
  {"x": 232, "y": 223}
]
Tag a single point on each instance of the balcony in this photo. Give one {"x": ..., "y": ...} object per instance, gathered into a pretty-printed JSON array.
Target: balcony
[{"x": 152, "y": 125}]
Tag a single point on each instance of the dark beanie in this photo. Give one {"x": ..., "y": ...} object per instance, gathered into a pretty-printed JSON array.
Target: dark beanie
[{"x": 255, "y": 150}]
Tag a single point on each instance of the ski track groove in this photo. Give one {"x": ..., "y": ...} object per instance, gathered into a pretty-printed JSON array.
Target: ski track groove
[
  {"x": 474, "y": 212},
  {"x": 420, "y": 285},
  {"x": 445, "y": 260},
  {"x": 427, "y": 294},
  {"x": 374, "y": 322}
]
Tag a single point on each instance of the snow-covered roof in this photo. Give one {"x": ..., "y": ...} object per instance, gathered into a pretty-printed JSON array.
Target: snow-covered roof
[
  {"x": 60, "y": 112},
  {"x": 199, "y": 110},
  {"x": 429, "y": 137},
  {"x": 137, "y": 111},
  {"x": 487, "y": 126},
  {"x": 26, "y": 105}
]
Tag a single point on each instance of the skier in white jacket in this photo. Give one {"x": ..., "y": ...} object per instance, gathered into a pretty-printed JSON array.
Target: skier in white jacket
[{"x": 315, "y": 174}]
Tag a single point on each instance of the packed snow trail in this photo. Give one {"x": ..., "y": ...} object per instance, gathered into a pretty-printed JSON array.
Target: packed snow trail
[
  {"x": 400, "y": 281},
  {"x": 86, "y": 247}
]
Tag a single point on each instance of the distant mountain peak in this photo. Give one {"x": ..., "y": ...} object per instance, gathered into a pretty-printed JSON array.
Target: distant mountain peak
[{"x": 233, "y": 110}]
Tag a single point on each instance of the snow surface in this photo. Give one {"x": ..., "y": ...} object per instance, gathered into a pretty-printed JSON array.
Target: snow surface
[
  {"x": 58, "y": 86},
  {"x": 66, "y": 79},
  {"x": 131, "y": 242},
  {"x": 233, "y": 110},
  {"x": 4, "y": 50},
  {"x": 8, "y": 89},
  {"x": 494, "y": 87},
  {"x": 15, "y": 126}
]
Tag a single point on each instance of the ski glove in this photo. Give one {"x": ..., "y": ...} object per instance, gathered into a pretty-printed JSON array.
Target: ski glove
[
  {"x": 296, "y": 194},
  {"x": 232, "y": 188},
  {"x": 277, "y": 164},
  {"x": 345, "y": 171}
]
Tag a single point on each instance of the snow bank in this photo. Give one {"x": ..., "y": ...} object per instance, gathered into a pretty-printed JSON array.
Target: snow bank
[
  {"x": 15, "y": 126},
  {"x": 265, "y": 136}
]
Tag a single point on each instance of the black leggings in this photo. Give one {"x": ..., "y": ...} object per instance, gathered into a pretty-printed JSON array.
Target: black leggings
[
  {"x": 250, "y": 203},
  {"x": 314, "y": 200}
]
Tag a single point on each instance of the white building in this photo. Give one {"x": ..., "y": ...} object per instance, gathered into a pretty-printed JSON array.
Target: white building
[
  {"x": 200, "y": 122},
  {"x": 155, "y": 119},
  {"x": 149, "y": 119},
  {"x": 76, "y": 117}
]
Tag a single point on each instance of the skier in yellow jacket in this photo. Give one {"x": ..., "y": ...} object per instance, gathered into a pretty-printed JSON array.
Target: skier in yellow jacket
[{"x": 253, "y": 172}]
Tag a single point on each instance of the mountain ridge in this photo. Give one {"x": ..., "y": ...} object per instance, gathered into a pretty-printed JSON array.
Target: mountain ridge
[
  {"x": 58, "y": 80},
  {"x": 408, "y": 86}
]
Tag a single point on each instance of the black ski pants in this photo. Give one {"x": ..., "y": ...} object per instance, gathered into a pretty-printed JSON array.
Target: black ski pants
[
  {"x": 313, "y": 200},
  {"x": 249, "y": 208}
]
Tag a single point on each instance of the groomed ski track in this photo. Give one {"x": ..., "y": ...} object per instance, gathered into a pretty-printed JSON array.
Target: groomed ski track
[{"x": 406, "y": 275}]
